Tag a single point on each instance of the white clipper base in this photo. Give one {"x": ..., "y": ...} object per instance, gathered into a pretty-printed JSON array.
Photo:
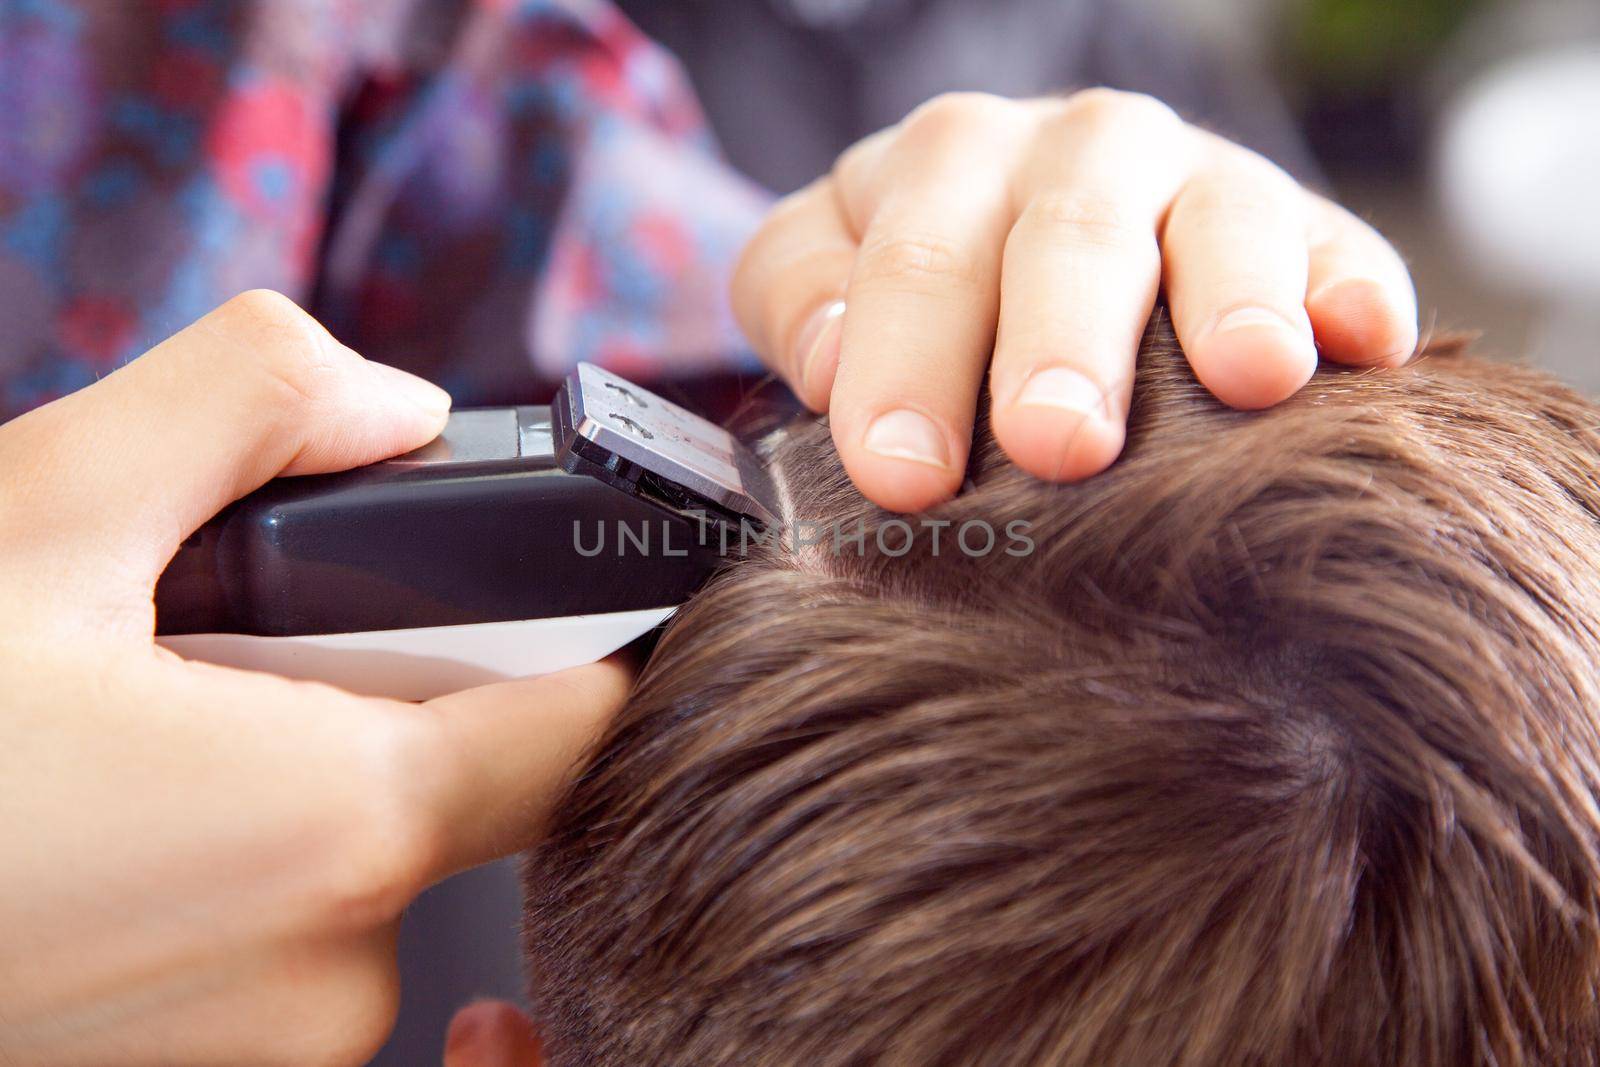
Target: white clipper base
[{"x": 429, "y": 661}]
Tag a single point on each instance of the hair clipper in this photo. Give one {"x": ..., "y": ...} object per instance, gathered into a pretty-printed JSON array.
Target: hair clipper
[{"x": 520, "y": 541}]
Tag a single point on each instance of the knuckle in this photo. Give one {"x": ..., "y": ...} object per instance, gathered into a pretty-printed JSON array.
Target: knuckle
[
  {"x": 1101, "y": 106},
  {"x": 850, "y": 168},
  {"x": 372, "y": 880},
  {"x": 296, "y": 375},
  {"x": 1085, "y": 218},
  {"x": 783, "y": 221},
  {"x": 1235, "y": 174},
  {"x": 918, "y": 260},
  {"x": 954, "y": 114},
  {"x": 274, "y": 336},
  {"x": 793, "y": 207},
  {"x": 1098, "y": 101},
  {"x": 1251, "y": 194},
  {"x": 265, "y": 309},
  {"x": 384, "y": 850}
]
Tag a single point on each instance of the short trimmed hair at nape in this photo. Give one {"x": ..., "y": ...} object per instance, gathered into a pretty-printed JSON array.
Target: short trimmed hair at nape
[{"x": 1279, "y": 748}]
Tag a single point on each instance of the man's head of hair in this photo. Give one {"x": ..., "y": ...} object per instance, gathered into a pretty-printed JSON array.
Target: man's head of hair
[{"x": 1278, "y": 747}]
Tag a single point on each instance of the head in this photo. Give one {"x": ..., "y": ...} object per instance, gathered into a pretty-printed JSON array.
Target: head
[{"x": 1277, "y": 746}]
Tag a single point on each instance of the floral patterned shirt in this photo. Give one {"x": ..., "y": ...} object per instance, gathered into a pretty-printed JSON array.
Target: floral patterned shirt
[{"x": 480, "y": 191}]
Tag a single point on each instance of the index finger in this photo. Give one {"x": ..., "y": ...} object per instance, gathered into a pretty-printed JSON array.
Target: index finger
[{"x": 505, "y": 753}]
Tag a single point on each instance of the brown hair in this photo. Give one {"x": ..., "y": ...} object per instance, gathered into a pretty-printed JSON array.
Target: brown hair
[{"x": 1278, "y": 748}]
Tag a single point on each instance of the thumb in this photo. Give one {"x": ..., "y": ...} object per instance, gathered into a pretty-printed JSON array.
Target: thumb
[
  {"x": 506, "y": 752},
  {"x": 492, "y": 1033},
  {"x": 118, "y": 474}
]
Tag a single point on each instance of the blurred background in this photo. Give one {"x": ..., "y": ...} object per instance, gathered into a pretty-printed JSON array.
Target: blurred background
[{"x": 1467, "y": 131}]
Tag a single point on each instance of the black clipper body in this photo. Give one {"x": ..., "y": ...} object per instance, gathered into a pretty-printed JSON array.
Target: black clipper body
[{"x": 499, "y": 549}]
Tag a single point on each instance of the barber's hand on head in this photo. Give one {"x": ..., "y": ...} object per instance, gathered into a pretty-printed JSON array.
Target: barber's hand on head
[
  {"x": 1027, "y": 240},
  {"x": 205, "y": 865}
]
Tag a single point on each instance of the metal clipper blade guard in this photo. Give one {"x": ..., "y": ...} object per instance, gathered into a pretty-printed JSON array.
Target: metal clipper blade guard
[{"x": 653, "y": 449}]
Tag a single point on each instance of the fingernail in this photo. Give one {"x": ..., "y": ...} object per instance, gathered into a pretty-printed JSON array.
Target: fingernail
[
  {"x": 1254, "y": 317},
  {"x": 906, "y": 434},
  {"x": 1066, "y": 389},
  {"x": 416, "y": 391},
  {"x": 819, "y": 341}
]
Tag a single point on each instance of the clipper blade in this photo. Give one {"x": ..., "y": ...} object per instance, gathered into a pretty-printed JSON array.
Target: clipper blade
[{"x": 648, "y": 447}]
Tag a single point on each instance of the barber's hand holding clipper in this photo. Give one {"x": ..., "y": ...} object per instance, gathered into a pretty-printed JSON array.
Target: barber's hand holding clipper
[
  {"x": 204, "y": 865},
  {"x": 1025, "y": 240}
]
